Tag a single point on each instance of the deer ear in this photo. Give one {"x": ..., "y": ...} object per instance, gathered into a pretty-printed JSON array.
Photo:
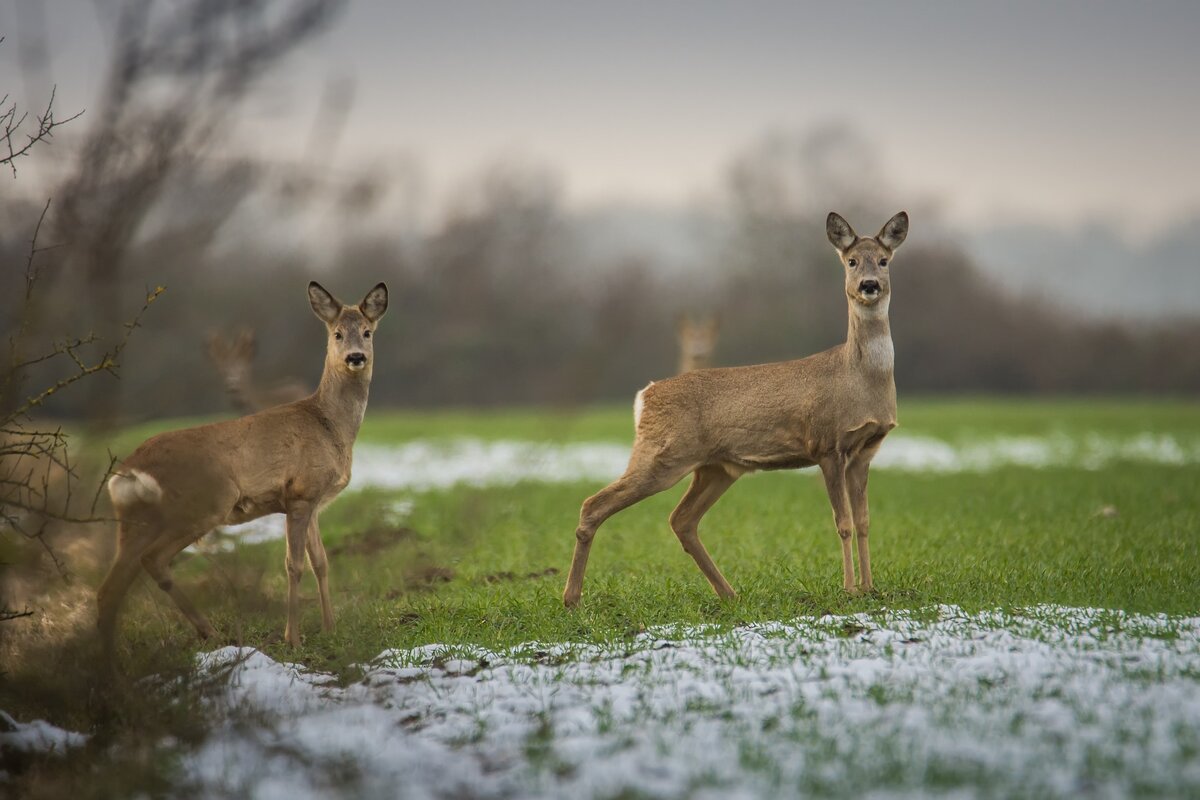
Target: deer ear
[
  {"x": 375, "y": 303},
  {"x": 840, "y": 234},
  {"x": 892, "y": 234},
  {"x": 216, "y": 344},
  {"x": 249, "y": 341},
  {"x": 324, "y": 305}
]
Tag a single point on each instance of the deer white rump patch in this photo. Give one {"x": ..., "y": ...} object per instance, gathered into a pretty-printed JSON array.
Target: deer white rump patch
[
  {"x": 127, "y": 488},
  {"x": 638, "y": 404}
]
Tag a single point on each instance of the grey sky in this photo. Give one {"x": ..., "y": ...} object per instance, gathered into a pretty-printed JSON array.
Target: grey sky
[{"x": 1061, "y": 111}]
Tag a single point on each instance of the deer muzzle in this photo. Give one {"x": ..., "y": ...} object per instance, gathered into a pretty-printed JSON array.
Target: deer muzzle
[{"x": 356, "y": 361}]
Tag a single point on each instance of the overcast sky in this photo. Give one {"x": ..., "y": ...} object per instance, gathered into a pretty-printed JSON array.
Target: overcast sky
[{"x": 1062, "y": 111}]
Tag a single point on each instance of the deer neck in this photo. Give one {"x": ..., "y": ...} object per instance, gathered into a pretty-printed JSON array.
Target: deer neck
[
  {"x": 869, "y": 339},
  {"x": 342, "y": 399},
  {"x": 690, "y": 362}
]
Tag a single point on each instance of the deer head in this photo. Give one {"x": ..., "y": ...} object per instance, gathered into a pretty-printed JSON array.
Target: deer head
[
  {"x": 350, "y": 348},
  {"x": 866, "y": 260}
]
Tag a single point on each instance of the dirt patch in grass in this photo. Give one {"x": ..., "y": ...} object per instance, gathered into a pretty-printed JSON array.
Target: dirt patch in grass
[
  {"x": 423, "y": 578},
  {"x": 500, "y": 577},
  {"x": 373, "y": 541}
]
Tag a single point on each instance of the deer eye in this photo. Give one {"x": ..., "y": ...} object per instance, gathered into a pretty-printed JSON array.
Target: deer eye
[
  {"x": 853, "y": 262},
  {"x": 883, "y": 262},
  {"x": 337, "y": 335},
  {"x": 366, "y": 334}
]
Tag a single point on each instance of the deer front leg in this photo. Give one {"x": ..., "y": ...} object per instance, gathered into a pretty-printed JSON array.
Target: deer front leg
[
  {"x": 299, "y": 517},
  {"x": 834, "y": 471},
  {"x": 856, "y": 478},
  {"x": 320, "y": 567}
]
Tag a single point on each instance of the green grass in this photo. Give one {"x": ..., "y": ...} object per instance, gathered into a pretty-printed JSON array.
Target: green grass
[{"x": 486, "y": 566}]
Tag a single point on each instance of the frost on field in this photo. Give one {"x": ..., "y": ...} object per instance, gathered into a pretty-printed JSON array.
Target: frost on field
[{"x": 1052, "y": 701}]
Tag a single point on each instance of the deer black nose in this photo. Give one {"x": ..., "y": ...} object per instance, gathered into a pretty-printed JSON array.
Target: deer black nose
[
  {"x": 356, "y": 359},
  {"x": 869, "y": 287}
]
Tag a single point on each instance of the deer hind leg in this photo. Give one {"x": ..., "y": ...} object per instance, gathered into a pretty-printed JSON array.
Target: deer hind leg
[
  {"x": 708, "y": 484},
  {"x": 319, "y": 562},
  {"x": 299, "y": 517},
  {"x": 638, "y": 483},
  {"x": 834, "y": 471},
  {"x": 157, "y": 561},
  {"x": 130, "y": 546}
]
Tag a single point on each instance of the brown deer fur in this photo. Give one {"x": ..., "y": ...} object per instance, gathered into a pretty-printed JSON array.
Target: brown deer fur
[
  {"x": 832, "y": 410},
  {"x": 292, "y": 459},
  {"x": 697, "y": 341},
  {"x": 233, "y": 359}
]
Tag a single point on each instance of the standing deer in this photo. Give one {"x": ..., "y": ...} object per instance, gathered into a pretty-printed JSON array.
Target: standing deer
[
  {"x": 234, "y": 361},
  {"x": 831, "y": 409},
  {"x": 697, "y": 341},
  {"x": 292, "y": 459}
]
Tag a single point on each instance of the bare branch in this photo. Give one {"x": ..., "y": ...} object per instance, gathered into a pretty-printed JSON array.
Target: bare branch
[
  {"x": 108, "y": 361},
  {"x": 7, "y": 614},
  {"x": 12, "y": 121}
]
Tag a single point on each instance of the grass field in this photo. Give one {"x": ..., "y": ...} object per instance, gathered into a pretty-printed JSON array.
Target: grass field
[{"x": 1000, "y": 530}]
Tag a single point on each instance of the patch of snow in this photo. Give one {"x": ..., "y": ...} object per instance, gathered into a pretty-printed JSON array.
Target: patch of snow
[
  {"x": 427, "y": 465},
  {"x": 422, "y": 465},
  {"x": 38, "y": 736},
  {"x": 1050, "y": 701}
]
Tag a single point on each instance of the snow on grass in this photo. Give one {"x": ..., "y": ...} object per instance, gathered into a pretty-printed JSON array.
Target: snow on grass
[
  {"x": 429, "y": 465},
  {"x": 422, "y": 466},
  {"x": 37, "y": 736},
  {"x": 1051, "y": 701}
]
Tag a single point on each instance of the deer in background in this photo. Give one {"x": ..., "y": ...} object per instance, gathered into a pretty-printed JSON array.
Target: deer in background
[
  {"x": 697, "y": 341},
  {"x": 234, "y": 361},
  {"x": 292, "y": 459},
  {"x": 832, "y": 410}
]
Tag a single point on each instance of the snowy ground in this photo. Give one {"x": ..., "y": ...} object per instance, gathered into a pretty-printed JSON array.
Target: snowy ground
[
  {"x": 1048, "y": 702},
  {"x": 1051, "y": 702},
  {"x": 421, "y": 466}
]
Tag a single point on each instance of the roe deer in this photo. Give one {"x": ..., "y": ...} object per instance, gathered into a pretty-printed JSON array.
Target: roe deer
[
  {"x": 831, "y": 409},
  {"x": 697, "y": 341},
  {"x": 292, "y": 459},
  {"x": 234, "y": 361}
]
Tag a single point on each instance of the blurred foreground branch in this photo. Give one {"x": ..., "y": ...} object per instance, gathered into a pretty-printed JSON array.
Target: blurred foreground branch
[
  {"x": 38, "y": 476},
  {"x": 16, "y": 140},
  {"x": 178, "y": 73}
]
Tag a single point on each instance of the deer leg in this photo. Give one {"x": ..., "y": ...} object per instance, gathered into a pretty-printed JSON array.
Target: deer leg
[
  {"x": 319, "y": 562},
  {"x": 114, "y": 588},
  {"x": 299, "y": 517},
  {"x": 834, "y": 471},
  {"x": 634, "y": 485},
  {"x": 856, "y": 479},
  {"x": 157, "y": 561},
  {"x": 708, "y": 484}
]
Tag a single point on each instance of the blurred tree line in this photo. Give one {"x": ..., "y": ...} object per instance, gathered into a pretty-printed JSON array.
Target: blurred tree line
[
  {"x": 498, "y": 300},
  {"x": 497, "y": 303}
]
